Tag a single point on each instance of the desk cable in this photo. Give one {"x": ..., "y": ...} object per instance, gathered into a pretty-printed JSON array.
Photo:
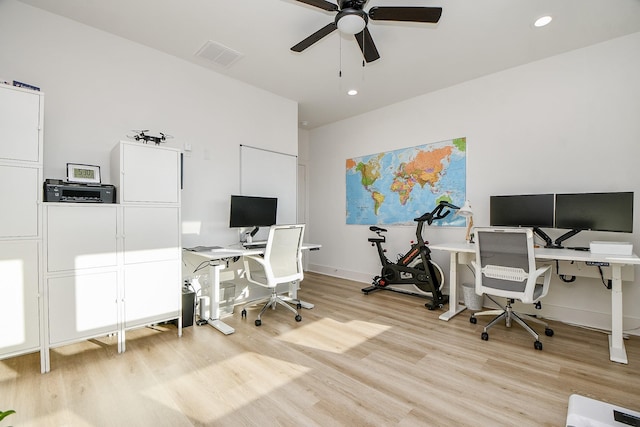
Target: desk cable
[
  {"x": 606, "y": 284},
  {"x": 565, "y": 278}
]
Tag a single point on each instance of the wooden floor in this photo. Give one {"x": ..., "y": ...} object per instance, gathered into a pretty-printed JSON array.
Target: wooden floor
[{"x": 380, "y": 359}]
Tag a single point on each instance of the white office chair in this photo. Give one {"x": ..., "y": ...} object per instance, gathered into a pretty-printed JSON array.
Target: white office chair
[
  {"x": 505, "y": 266},
  {"x": 282, "y": 263}
]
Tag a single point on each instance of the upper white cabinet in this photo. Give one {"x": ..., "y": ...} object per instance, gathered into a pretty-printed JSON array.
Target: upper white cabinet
[
  {"x": 145, "y": 173},
  {"x": 20, "y": 124}
]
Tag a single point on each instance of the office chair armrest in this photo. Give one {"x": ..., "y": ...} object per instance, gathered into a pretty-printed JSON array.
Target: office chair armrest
[
  {"x": 247, "y": 269},
  {"x": 545, "y": 272}
]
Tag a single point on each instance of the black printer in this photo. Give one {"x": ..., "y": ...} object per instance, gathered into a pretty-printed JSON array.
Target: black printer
[{"x": 57, "y": 190}]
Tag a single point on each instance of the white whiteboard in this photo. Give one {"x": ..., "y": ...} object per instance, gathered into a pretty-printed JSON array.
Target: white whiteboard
[{"x": 270, "y": 174}]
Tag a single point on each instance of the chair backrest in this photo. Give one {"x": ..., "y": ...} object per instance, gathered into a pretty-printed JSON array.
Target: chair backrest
[
  {"x": 283, "y": 253},
  {"x": 505, "y": 263}
]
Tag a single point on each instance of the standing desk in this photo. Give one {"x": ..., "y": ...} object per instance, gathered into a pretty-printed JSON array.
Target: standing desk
[
  {"x": 617, "y": 352},
  {"x": 217, "y": 259}
]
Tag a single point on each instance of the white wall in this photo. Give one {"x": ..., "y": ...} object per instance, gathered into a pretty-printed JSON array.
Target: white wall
[
  {"x": 99, "y": 87},
  {"x": 569, "y": 123}
]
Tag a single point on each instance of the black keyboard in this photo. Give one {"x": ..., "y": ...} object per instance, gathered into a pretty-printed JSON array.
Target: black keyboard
[{"x": 254, "y": 245}]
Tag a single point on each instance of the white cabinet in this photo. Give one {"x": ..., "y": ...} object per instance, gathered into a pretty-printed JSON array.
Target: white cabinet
[
  {"x": 19, "y": 297},
  {"x": 152, "y": 269},
  {"x": 21, "y": 319},
  {"x": 82, "y": 306},
  {"x": 151, "y": 233},
  {"x": 152, "y": 293},
  {"x": 20, "y": 187},
  {"x": 81, "y": 236},
  {"x": 113, "y": 267},
  {"x": 20, "y": 124},
  {"x": 144, "y": 173},
  {"x": 81, "y": 271}
]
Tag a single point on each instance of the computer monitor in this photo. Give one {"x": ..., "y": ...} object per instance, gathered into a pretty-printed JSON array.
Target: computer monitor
[
  {"x": 523, "y": 210},
  {"x": 595, "y": 211},
  {"x": 252, "y": 211},
  {"x": 526, "y": 210}
]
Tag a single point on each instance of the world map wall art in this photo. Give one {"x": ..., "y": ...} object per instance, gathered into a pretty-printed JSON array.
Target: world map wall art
[{"x": 397, "y": 186}]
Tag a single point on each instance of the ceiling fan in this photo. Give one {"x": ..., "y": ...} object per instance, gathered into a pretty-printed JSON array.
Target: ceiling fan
[{"x": 352, "y": 19}]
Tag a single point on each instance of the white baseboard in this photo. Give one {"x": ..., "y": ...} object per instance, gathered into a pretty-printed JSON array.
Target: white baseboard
[
  {"x": 573, "y": 316},
  {"x": 343, "y": 274}
]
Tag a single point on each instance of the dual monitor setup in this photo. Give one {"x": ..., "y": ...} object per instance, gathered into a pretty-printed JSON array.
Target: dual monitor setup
[
  {"x": 572, "y": 211},
  {"x": 252, "y": 212}
]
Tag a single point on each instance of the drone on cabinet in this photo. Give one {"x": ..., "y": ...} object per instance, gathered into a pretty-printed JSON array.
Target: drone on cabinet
[{"x": 142, "y": 135}]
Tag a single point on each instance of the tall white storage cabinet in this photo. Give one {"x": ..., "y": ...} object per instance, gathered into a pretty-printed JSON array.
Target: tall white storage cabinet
[
  {"x": 114, "y": 267},
  {"x": 147, "y": 180},
  {"x": 21, "y": 316}
]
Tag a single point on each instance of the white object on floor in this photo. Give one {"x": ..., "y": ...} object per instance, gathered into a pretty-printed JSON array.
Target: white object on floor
[{"x": 586, "y": 412}]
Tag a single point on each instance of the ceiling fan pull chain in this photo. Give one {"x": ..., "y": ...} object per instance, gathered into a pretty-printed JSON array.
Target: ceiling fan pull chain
[{"x": 340, "y": 58}]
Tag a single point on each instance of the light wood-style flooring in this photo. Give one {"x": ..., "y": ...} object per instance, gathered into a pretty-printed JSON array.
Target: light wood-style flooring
[{"x": 381, "y": 359}]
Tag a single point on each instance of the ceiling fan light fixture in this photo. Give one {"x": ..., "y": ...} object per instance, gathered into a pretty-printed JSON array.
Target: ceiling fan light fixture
[
  {"x": 542, "y": 21},
  {"x": 351, "y": 24}
]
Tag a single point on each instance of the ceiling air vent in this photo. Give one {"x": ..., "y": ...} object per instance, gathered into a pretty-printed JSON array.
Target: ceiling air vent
[{"x": 218, "y": 54}]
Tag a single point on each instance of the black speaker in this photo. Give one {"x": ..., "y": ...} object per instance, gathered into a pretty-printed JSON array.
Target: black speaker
[{"x": 188, "y": 307}]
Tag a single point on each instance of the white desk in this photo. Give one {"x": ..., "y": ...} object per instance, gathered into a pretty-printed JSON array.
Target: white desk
[
  {"x": 217, "y": 259},
  {"x": 617, "y": 352}
]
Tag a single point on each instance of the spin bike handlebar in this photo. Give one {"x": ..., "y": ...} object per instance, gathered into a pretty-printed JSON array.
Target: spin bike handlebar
[
  {"x": 437, "y": 213},
  {"x": 428, "y": 217}
]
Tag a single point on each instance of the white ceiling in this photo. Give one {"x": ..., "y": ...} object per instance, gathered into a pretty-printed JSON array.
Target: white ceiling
[{"x": 472, "y": 39}]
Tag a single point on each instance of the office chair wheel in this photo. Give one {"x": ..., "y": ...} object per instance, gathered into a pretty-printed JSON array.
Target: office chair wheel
[
  {"x": 258, "y": 322},
  {"x": 548, "y": 332},
  {"x": 298, "y": 318},
  {"x": 473, "y": 320},
  {"x": 537, "y": 345},
  {"x": 484, "y": 336},
  {"x": 299, "y": 306},
  {"x": 243, "y": 314}
]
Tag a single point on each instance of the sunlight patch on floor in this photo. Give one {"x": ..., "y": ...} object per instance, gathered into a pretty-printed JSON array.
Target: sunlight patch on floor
[
  {"x": 227, "y": 386},
  {"x": 63, "y": 417},
  {"x": 333, "y": 336}
]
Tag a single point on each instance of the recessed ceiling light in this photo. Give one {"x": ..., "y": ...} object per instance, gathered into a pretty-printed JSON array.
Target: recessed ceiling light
[
  {"x": 352, "y": 92},
  {"x": 542, "y": 21}
]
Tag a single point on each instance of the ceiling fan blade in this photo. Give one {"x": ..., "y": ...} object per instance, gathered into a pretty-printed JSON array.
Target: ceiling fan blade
[
  {"x": 367, "y": 46},
  {"x": 322, "y": 4},
  {"x": 411, "y": 14},
  {"x": 322, "y": 32}
]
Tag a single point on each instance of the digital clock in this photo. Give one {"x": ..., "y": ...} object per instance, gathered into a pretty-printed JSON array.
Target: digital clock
[{"x": 88, "y": 174}]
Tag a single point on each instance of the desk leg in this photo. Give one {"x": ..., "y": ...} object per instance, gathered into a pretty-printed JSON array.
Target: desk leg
[
  {"x": 214, "y": 309},
  {"x": 293, "y": 296},
  {"x": 617, "y": 352},
  {"x": 454, "y": 308}
]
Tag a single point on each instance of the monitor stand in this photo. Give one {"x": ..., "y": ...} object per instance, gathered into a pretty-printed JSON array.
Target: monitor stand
[
  {"x": 548, "y": 242},
  {"x": 249, "y": 235},
  {"x": 565, "y": 236}
]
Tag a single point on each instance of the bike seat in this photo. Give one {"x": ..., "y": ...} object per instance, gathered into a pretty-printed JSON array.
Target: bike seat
[{"x": 377, "y": 229}]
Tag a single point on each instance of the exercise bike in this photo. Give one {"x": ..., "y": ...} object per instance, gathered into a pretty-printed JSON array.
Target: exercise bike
[{"x": 414, "y": 273}]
